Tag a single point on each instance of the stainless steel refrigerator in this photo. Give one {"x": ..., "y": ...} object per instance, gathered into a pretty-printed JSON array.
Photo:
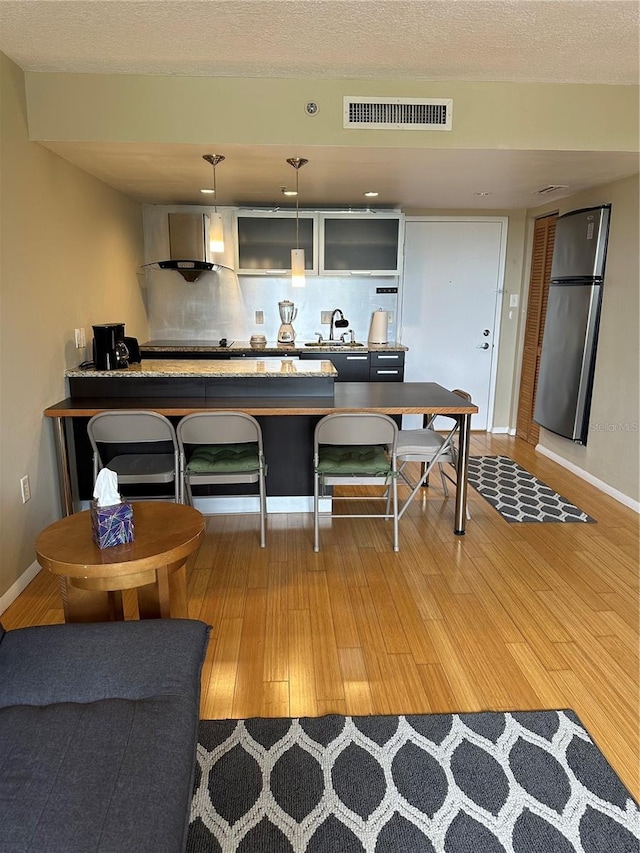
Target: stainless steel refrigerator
[{"x": 569, "y": 341}]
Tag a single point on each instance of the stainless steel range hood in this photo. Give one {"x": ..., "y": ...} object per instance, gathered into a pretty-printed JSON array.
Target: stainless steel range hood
[{"x": 188, "y": 247}]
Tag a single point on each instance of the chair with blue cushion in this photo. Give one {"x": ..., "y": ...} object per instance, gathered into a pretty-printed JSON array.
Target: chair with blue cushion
[
  {"x": 222, "y": 448},
  {"x": 356, "y": 449}
]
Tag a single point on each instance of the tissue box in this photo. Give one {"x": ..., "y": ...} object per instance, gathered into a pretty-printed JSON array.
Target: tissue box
[{"x": 111, "y": 525}]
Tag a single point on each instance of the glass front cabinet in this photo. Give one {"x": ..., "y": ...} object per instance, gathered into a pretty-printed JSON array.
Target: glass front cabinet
[
  {"x": 335, "y": 243},
  {"x": 264, "y": 241},
  {"x": 361, "y": 243}
]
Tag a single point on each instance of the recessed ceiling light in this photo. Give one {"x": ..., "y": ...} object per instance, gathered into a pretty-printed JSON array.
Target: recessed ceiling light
[
  {"x": 371, "y": 194},
  {"x": 207, "y": 191},
  {"x": 483, "y": 194}
]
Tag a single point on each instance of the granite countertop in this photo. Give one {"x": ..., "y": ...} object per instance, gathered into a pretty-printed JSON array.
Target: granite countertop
[
  {"x": 243, "y": 368},
  {"x": 271, "y": 348}
]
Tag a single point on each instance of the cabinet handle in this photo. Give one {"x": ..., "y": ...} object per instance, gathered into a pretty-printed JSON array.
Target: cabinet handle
[
  {"x": 272, "y": 272},
  {"x": 360, "y": 272},
  {"x": 394, "y": 357},
  {"x": 390, "y": 372},
  {"x": 356, "y": 358}
]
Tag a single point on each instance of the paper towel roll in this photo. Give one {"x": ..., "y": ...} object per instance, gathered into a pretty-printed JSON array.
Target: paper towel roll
[{"x": 379, "y": 329}]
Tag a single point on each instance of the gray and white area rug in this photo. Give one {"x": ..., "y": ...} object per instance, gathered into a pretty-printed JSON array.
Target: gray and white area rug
[
  {"x": 517, "y": 494},
  {"x": 490, "y": 782}
]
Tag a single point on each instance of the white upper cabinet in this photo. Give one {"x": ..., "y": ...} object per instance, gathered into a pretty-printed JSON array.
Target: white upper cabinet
[
  {"x": 361, "y": 243},
  {"x": 335, "y": 244},
  {"x": 264, "y": 241}
]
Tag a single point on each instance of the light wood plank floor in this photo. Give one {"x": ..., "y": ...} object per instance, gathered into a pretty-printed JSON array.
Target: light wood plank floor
[{"x": 510, "y": 616}]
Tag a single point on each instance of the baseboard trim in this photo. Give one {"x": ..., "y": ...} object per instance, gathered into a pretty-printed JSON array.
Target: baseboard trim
[
  {"x": 19, "y": 586},
  {"x": 599, "y": 484},
  {"x": 275, "y": 504},
  {"x": 501, "y": 431}
]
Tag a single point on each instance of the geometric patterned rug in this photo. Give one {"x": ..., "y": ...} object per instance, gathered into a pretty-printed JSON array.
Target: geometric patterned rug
[
  {"x": 517, "y": 494},
  {"x": 489, "y": 782}
]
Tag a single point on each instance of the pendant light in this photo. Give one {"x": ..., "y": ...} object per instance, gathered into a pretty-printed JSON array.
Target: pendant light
[
  {"x": 297, "y": 255},
  {"x": 216, "y": 232}
]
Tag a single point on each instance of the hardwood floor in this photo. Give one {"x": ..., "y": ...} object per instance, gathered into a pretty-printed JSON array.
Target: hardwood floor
[{"x": 510, "y": 616}]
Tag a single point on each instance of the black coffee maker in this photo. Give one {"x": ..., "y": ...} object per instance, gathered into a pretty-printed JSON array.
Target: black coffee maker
[{"x": 109, "y": 349}]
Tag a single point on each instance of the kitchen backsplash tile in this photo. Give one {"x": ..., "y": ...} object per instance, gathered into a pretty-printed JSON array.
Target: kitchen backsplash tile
[{"x": 223, "y": 305}]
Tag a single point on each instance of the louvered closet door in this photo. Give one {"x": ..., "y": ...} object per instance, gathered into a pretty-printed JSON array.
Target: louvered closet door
[{"x": 543, "y": 237}]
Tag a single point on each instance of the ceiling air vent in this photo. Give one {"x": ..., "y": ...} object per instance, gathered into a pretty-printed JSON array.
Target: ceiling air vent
[
  {"x": 552, "y": 188},
  {"x": 398, "y": 113}
]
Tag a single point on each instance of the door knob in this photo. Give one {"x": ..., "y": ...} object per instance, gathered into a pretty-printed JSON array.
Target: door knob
[{"x": 482, "y": 346}]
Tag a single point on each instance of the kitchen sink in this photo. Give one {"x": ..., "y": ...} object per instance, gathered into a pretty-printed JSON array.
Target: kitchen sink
[{"x": 327, "y": 344}]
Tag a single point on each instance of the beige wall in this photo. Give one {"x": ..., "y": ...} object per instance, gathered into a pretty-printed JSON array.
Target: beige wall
[
  {"x": 70, "y": 248},
  {"x": 138, "y": 108},
  {"x": 613, "y": 447}
]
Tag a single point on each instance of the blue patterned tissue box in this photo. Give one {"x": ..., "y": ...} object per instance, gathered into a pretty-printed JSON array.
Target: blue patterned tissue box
[{"x": 111, "y": 525}]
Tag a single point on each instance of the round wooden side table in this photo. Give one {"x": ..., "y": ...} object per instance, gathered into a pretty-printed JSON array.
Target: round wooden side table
[{"x": 92, "y": 578}]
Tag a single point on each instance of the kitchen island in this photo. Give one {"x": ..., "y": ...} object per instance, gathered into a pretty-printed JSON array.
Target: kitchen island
[
  {"x": 287, "y": 419},
  {"x": 204, "y": 378}
]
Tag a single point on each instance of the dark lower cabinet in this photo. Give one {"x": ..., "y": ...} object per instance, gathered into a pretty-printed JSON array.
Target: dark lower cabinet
[
  {"x": 351, "y": 366},
  {"x": 364, "y": 366}
]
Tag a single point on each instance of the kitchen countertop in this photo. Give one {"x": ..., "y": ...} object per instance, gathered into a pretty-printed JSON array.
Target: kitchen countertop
[
  {"x": 243, "y": 368},
  {"x": 270, "y": 349}
]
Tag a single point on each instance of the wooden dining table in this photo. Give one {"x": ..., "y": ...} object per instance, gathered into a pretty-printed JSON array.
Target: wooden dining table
[{"x": 390, "y": 398}]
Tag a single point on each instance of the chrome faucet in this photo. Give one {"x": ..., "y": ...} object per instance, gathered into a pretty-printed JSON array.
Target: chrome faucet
[{"x": 338, "y": 324}]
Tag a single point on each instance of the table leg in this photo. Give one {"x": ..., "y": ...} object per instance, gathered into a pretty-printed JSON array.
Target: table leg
[
  {"x": 464, "y": 431},
  {"x": 167, "y": 597},
  {"x": 62, "y": 459},
  {"x": 83, "y": 605}
]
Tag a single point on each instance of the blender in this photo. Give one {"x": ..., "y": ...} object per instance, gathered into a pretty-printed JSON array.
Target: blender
[{"x": 288, "y": 313}]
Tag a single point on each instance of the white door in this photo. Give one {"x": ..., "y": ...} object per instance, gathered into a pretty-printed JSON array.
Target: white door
[{"x": 453, "y": 278}]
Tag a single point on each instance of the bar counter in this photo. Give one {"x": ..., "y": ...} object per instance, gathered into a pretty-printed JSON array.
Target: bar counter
[{"x": 287, "y": 421}]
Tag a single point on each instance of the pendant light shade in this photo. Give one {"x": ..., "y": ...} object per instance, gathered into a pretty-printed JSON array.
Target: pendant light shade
[
  {"x": 298, "y": 278},
  {"x": 298, "y": 274},
  {"x": 216, "y": 232}
]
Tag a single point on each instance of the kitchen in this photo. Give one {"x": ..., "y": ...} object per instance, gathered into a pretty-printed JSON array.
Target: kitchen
[{"x": 86, "y": 267}]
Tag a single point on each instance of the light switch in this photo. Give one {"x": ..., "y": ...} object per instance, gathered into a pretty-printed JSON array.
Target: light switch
[
  {"x": 259, "y": 318},
  {"x": 513, "y": 300}
]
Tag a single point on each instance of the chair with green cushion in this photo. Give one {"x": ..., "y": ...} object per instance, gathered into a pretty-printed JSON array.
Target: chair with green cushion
[
  {"x": 222, "y": 448},
  {"x": 356, "y": 449}
]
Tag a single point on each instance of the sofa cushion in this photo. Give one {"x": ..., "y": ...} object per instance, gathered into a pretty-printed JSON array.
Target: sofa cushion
[
  {"x": 86, "y": 662},
  {"x": 113, "y": 775}
]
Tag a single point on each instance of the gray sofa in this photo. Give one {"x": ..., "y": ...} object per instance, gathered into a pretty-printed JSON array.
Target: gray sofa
[{"x": 98, "y": 730}]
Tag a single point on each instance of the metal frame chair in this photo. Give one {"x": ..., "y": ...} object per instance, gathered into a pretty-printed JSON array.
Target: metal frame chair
[
  {"x": 138, "y": 466},
  {"x": 429, "y": 448},
  {"x": 234, "y": 463},
  {"x": 338, "y": 435}
]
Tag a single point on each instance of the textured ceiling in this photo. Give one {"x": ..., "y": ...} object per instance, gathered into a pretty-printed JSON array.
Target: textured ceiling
[{"x": 579, "y": 41}]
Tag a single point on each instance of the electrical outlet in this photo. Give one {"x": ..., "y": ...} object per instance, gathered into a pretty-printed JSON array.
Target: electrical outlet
[
  {"x": 25, "y": 489},
  {"x": 390, "y": 315},
  {"x": 259, "y": 318},
  {"x": 79, "y": 334},
  {"x": 83, "y": 338},
  {"x": 325, "y": 317},
  {"x": 513, "y": 300}
]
